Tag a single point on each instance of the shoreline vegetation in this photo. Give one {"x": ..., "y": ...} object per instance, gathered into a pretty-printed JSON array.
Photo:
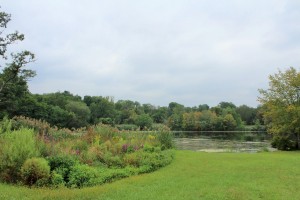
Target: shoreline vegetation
[{"x": 35, "y": 154}]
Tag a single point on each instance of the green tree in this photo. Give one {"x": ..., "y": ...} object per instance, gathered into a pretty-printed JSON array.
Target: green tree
[
  {"x": 148, "y": 109},
  {"x": 13, "y": 76},
  {"x": 16, "y": 61},
  {"x": 203, "y": 107},
  {"x": 208, "y": 120},
  {"x": 144, "y": 121},
  {"x": 234, "y": 114},
  {"x": 127, "y": 111},
  {"x": 247, "y": 114},
  {"x": 60, "y": 99},
  {"x": 160, "y": 115},
  {"x": 175, "y": 121},
  {"x": 281, "y": 108},
  {"x": 59, "y": 117},
  {"x": 101, "y": 107},
  {"x": 189, "y": 121},
  {"x": 224, "y": 104},
  {"x": 175, "y": 108},
  {"x": 229, "y": 123},
  {"x": 81, "y": 113},
  {"x": 11, "y": 96}
]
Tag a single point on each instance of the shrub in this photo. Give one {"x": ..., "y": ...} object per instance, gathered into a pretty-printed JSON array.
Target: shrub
[
  {"x": 283, "y": 143},
  {"x": 111, "y": 161},
  {"x": 82, "y": 175},
  {"x": 148, "y": 148},
  {"x": 156, "y": 160},
  {"x": 62, "y": 164},
  {"x": 105, "y": 148},
  {"x": 34, "y": 170},
  {"x": 16, "y": 147},
  {"x": 90, "y": 136},
  {"x": 79, "y": 145},
  {"x": 109, "y": 175},
  {"x": 43, "y": 147},
  {"x": 144, "y": 121},
  {"x": 107, "y": 132},
  {"x": 132, "y": 159},
  {"x": 5, "y": 126},
  {"x": 108, "y": 121},
  {"x": 165, "y": 137},
  {"x": 57, "y": 180}
]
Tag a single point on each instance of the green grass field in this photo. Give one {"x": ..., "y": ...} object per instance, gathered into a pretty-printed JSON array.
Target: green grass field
[{"x": 194, "y": 175}]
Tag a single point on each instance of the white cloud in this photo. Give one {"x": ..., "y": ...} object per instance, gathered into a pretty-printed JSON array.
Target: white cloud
[{"x": 193, "y": 52}]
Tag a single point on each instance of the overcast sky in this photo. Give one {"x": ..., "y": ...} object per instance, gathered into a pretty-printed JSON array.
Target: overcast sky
[{"x": 160, "y": 51}]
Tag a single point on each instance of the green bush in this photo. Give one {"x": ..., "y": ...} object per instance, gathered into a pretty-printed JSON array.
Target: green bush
[
  {"x": 44, "y": 148},
  {"x": 34, "y": 170},
  {"x": 110, "y": 154},
  {"x": 16, "y": 147},
  {"x": 109, "y": 175},
  {"x": 133, "y": 159},
  {"x": 5, "y": 126},
  {"x": 62, "y": 165},
  {"x": 107, "y": 132},
  {"x": 156, "y": 160},
  {"x": 112, "y": 161},
  {"x": 148, "y": 148},
  {"x": 283, "y": 143},
  {"x": 144, "y": 121},
  {"x": 165, "y": 137},
  {"x": 82, "y": 175},
  {"x": 57, "y": 180}
]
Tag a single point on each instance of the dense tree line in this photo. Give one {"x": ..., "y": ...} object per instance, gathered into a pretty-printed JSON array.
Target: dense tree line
[{"x": 64, "y": 109}]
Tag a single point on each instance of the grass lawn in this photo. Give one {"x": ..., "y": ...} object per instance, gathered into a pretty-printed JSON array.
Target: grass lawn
[{"x": 194, "y": 175}]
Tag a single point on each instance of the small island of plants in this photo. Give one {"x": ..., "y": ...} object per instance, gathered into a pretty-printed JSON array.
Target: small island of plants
[{"x": 35, "y": 154}]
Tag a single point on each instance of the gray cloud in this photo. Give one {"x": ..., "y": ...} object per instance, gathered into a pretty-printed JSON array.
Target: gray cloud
[{"x": 191, "y": 52}]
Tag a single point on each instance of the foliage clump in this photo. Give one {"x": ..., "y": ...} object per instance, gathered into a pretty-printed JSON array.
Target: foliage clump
[
  {"x": 77, "y": 158},
  {"x": 15, "y": 148},
  {"x": 281, "y": 108},
  {"x": 35, "y": 170}
]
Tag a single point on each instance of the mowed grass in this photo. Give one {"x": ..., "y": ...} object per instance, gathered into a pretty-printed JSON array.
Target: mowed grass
[{"x": 194, "y": 175}]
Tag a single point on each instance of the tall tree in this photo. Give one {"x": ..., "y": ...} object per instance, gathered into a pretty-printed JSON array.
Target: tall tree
[
  {"x": 14, "y": 76},
  {"x": 247, "y": 114},
  {"x": 282, "y": 108},
  {"x": 16, "y": 61}
]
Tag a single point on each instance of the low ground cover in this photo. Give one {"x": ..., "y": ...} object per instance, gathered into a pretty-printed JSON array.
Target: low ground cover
[{"x": 193, "y": 175}]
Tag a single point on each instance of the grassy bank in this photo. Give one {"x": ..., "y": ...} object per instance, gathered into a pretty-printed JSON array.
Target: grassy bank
[{"x": 194, "y": 175}]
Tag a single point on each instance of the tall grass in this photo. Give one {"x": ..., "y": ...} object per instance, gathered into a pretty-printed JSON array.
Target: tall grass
[
  {"x": 16, "y": 147},
  {"x": 99, "y": 146}
]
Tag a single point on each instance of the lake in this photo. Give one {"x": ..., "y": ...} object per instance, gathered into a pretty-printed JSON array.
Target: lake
[{"x": 219, "y": 141}]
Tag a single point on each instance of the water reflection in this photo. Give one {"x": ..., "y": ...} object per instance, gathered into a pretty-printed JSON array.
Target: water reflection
[{"x": 223, "y": 141}]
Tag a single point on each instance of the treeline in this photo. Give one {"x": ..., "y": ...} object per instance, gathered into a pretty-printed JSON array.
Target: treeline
[{"x": 63, "y": 109}]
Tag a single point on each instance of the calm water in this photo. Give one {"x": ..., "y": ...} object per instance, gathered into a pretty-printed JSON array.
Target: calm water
[{"x": 223, "y": 141}]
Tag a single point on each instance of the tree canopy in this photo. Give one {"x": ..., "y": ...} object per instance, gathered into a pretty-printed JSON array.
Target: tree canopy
[
  {"x": 13, "y": 75},
  {"x": 281, "y": 108}
]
